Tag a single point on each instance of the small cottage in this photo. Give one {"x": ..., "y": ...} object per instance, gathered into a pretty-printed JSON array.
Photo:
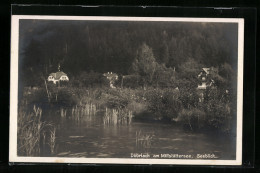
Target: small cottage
[
  {"x": 205, "y": 78},
  {"x": 112, "y": 77},
  {"x": 57, "y": 77},
  {"x": 205, "y": 81}
]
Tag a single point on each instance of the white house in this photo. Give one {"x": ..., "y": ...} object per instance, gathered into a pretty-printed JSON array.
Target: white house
[
  {"x": 205, "y": 81},
  {"x": 58, "y": 76},
  {"x": 205, "y": 78},
  {"x": 112, "y": 77}
]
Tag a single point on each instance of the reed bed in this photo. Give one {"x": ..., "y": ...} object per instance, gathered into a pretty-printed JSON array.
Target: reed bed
[
  {"x": 143, "y": 140},
  {"x": 63, "y": 113},
  {"x": 52, "y": 141},
  {"x": 117, "y": 117},
  {"x": 86, "y": 111},
  {"x": 31, "y": 131}
]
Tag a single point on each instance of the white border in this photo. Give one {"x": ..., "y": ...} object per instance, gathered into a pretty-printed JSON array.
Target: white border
[{"x": 14, "y": 94}]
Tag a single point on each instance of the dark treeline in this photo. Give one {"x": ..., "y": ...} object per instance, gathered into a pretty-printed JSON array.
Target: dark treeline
[
  {"x": 114, "y": 46},
  {"x": 157, "y": 66}
]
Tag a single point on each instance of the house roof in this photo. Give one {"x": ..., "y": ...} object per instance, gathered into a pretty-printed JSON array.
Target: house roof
[
  {"x": 58, "y": 74},
  {"x": 206, "y": 70},
  {"x": 110, "y": 74}
]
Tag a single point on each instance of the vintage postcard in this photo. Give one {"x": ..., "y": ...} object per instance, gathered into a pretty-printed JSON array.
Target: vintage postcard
[{"x": 126, "y": 90}]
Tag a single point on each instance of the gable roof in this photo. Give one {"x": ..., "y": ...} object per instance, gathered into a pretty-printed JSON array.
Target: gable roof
[
  {"x": 110, "y": 75},
  {"x": 206, "y": 70},
  {"x": 58, "y": 74}
]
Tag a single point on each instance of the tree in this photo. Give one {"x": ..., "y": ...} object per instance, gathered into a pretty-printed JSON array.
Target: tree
[
  {"x": 228, "y": 78},
  {"x": 188, "y": 71},
  {"x": 165, "y": 53},
  {"x": 164, "y": 77},
  {"x": 144, "y": 64}
]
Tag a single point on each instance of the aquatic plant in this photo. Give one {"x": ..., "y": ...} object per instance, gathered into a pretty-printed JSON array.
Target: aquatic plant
[
  {"x": 34, "y": 133},
  {"x": 52, "y": 140},
  {"x": 83, "y": 111},
  {"x": 168, "y": 104},
  {"x": 63, "y": 113},
  {"x": 193, "y": 118},
  {"x": 30, "y": 128},
  {"x": 117, "y": 116},
  {"x": 143, "y": 140}
]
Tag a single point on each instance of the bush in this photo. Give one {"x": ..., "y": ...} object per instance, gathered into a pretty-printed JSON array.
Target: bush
[
  {"x": 33, "y": 97},
  {"x": 57, "y": 97},
  {"x": 161, "y": 103},
  {"x": 164, "y": 104},
  {"x": 90, "y": 80},
  {"x": 65, "y": 98},
  {"x": 137, "y": 107},
  {"x": 219, "y": 109},
  {"x": 215, "y": 112},
  {"x": 189, "y": 98},
  {"x": 130, "y": 81},
  {"x": 115, "y": 98}
]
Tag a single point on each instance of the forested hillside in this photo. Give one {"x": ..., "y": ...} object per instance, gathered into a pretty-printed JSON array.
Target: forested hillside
[{"x": 173, "y": 50}]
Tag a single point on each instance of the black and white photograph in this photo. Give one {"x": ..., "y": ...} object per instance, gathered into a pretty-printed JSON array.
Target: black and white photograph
[{"x": 126, "y": 90}]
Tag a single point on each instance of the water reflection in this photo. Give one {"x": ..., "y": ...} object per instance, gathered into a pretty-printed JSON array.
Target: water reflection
[{"x": 90, "y": 138}]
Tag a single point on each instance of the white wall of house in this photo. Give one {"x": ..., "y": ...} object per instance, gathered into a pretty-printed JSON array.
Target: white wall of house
[
  {"x": 202, "y": 86},
  {"x": 64, "y": 78},
  {"x": 51, "y": 78}
]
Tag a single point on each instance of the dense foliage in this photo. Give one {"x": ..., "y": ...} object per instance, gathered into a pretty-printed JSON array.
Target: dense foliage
[
  {"x": 157, "y": 66},
  {"x": 122, "y": 47}
]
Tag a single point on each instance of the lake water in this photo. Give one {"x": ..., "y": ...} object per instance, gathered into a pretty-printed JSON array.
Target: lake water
[{"x": 90, "y": 138}]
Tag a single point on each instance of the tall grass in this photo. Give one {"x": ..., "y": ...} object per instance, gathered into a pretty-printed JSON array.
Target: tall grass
[
  {"x": 119, "y": 105},
  {"x": 31, "y": 132},
  {"x": 117, "y": 116},
  {"x": 63, "y": 113},
  {"x": 86, "y": 111},
  {"x": 52, "y": 141},
  {"x": 143, "y": 140}
]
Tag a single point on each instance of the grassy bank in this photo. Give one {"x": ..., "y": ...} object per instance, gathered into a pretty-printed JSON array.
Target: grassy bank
[
  {"x": 121, "y": 105},
  {"x": 118, "y": 107},
  {"x": 34, "y": 133}
]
